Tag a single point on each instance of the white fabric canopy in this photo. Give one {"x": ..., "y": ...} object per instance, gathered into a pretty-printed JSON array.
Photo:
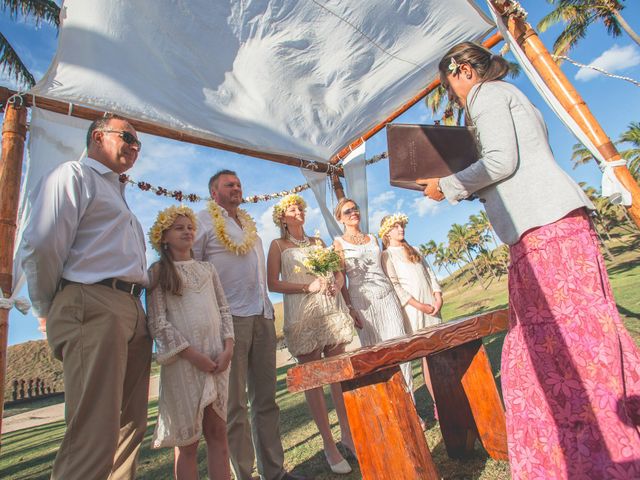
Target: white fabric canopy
[{"x": 292, "y": 77}]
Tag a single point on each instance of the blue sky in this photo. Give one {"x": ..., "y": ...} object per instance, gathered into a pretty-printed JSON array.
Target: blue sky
[{"x": 187, "y": 167}]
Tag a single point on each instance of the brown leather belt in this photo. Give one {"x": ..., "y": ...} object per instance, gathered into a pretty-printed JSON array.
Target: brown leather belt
[{"x": 134, "y": 289}]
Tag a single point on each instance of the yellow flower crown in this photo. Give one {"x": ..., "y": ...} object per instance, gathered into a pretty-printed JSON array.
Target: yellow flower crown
[
  {"x": 281, "y": 207},
  {"x": 389, "y": 221},
  {"x": 164, "y": 221}
]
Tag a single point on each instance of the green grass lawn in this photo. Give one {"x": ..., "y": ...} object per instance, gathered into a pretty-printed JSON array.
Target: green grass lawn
[{"x": 29, "y": 453}]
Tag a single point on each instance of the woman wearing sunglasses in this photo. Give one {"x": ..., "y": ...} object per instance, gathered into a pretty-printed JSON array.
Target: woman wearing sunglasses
[{"x": 370, "y": 296}]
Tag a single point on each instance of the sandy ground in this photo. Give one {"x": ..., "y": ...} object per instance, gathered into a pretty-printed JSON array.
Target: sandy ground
[{"x": 55, "y": 413}]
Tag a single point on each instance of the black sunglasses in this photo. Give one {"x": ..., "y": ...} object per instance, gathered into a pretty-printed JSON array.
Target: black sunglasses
[
  {"x": 127, "y": 137},
  {"x": 351, "y": 210}
]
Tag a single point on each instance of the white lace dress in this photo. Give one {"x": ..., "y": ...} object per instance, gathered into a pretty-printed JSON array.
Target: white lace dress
[
  {"x": 312, "y": 321},
  {"x": 199, "y": 318},
  {"x": 411, "y": 280},
  {"x": 373, "y": 296}
]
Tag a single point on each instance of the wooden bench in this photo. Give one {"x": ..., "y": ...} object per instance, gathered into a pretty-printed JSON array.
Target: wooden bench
[{"x": 389, "y": 440}]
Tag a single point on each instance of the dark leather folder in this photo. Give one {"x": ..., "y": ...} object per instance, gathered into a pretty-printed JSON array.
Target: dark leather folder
[{"x": 428, "y": 151}]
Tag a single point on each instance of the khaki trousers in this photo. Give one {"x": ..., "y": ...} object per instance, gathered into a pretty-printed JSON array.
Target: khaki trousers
[
  {"x": 101, "y": 336},
  {"x": 253, "y": 378}
]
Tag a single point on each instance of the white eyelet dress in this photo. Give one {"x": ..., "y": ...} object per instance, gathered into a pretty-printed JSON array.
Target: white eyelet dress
[{"x": 373, "y": 297}]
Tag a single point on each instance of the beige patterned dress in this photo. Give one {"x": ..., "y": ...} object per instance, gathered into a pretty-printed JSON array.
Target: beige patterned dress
[
  {"x": 199, "y": 318},
  {"x": 312, "y": 321}
]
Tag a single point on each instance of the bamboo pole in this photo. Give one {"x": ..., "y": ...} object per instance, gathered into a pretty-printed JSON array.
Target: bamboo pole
[
  {"x": 14, "y": 131},
  {"x": 490, "y": 42},
  {"x": 568, "y": 97}
]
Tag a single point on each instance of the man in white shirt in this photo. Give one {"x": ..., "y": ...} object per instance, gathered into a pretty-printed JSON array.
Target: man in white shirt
[
  {"x": 226, "y": 237},
  {"x": 83, "y": 254}
]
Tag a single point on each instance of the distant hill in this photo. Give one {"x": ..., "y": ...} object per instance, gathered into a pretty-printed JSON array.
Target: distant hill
[{"x": 31, "y": 360}]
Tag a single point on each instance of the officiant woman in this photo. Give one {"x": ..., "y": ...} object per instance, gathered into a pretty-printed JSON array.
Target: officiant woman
[{"x": 570, "y": 371}]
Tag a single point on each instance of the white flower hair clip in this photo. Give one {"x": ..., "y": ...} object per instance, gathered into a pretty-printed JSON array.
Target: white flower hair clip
[{"x": 454, "y": 67}]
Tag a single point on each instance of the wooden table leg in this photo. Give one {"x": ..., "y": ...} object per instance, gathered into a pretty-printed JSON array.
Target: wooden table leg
[
  {"x": 467, "y": 400},
  {"x": 386, "y": 431}
]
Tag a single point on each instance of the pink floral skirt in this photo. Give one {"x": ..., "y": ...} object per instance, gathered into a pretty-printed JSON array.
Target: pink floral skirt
[{"x": 570, "y": 370}]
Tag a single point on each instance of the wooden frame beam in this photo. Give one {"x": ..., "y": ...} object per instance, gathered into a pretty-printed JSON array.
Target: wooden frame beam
[{"x": 91, "y": 114}]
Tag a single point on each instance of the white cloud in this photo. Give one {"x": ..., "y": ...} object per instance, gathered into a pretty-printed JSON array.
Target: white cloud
[
  {"x": 375, "y": 218},
  {"x": 382, "y": 199},
  {"x": 425, "y": 206},
  {"x": 613, "y": 60},
  {"x": 268, "y": 230}
]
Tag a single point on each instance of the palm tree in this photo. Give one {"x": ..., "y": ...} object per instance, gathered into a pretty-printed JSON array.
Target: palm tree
[
  {"x": 426, "y": 249},
  {"x": 38, "y": 11},
  {"x": 598, "y": 220},
  {"x": 442, "y": 257},
  {"x": 581, "y": 155},
  {"x": 632, "y": 155},
  {"x": 579, "y": 15},
  {"x": 461, "y": 238}
]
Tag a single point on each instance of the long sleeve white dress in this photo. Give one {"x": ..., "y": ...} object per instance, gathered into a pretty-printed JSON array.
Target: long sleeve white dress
[
  {"x": 199, "y": 318},
  {"x": 411, "y": 280}
]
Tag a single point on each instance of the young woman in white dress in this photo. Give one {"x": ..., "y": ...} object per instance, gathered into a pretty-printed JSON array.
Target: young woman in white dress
[
  {"x": 316, "y": 319},
  {"x": 414, "y": 282},
  {"x": 369, "y": 294},
  {"x": 189, "y": 319}
]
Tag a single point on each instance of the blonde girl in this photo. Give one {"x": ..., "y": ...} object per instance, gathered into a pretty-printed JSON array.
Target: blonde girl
[
  {"x": 189, "y": 319},
  {"x": 414, "y": 282}
]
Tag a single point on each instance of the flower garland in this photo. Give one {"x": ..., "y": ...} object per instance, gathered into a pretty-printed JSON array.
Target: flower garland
[
  {"x": 220, "y": 229},
  {"x": 165, "y": 219},
  {"x": 192, "y": 197},
  {"x": 389, "y": 221}
]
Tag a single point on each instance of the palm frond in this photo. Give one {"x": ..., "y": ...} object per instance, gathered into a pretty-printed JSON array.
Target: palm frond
[
  {"x": 37, "y": 10},
  {"x": 436, "y": 99},
  {"x": 569, "y": 36},
  {"x": 550, "y": 19},
  {"x": 12, "y": 65},
  {"x": 632, "y": 135},
  {"x": 580, "y": 155},
  {"x": 514, "y": 69}
]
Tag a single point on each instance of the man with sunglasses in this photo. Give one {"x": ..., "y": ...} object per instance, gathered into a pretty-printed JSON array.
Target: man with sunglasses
[{"x": 83, "y": 253}]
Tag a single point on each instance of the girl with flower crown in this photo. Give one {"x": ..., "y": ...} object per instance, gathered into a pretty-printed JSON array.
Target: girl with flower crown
[
  {"x": 189, "y": 319},
  {"x": 316, "y": 319},
  {"x": 414, "y": 282}
]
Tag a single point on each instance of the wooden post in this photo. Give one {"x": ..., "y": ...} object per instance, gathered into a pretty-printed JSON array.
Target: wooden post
[
  {"x": 567, "y": 95},
  {"x": 14, "y": 131},
  {"x": 386, "y": 431},
  {"x": 467, "y": 400}
]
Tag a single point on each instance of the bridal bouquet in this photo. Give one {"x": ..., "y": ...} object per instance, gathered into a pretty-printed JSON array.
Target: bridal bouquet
[{"x": 322, "y": 261}]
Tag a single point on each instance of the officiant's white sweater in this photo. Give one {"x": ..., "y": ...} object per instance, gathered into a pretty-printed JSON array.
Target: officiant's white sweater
[{"x": 516, "y": 177}]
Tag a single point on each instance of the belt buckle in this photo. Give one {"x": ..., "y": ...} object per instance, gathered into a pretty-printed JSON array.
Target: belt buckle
[{"x": 131, "y": 291}]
